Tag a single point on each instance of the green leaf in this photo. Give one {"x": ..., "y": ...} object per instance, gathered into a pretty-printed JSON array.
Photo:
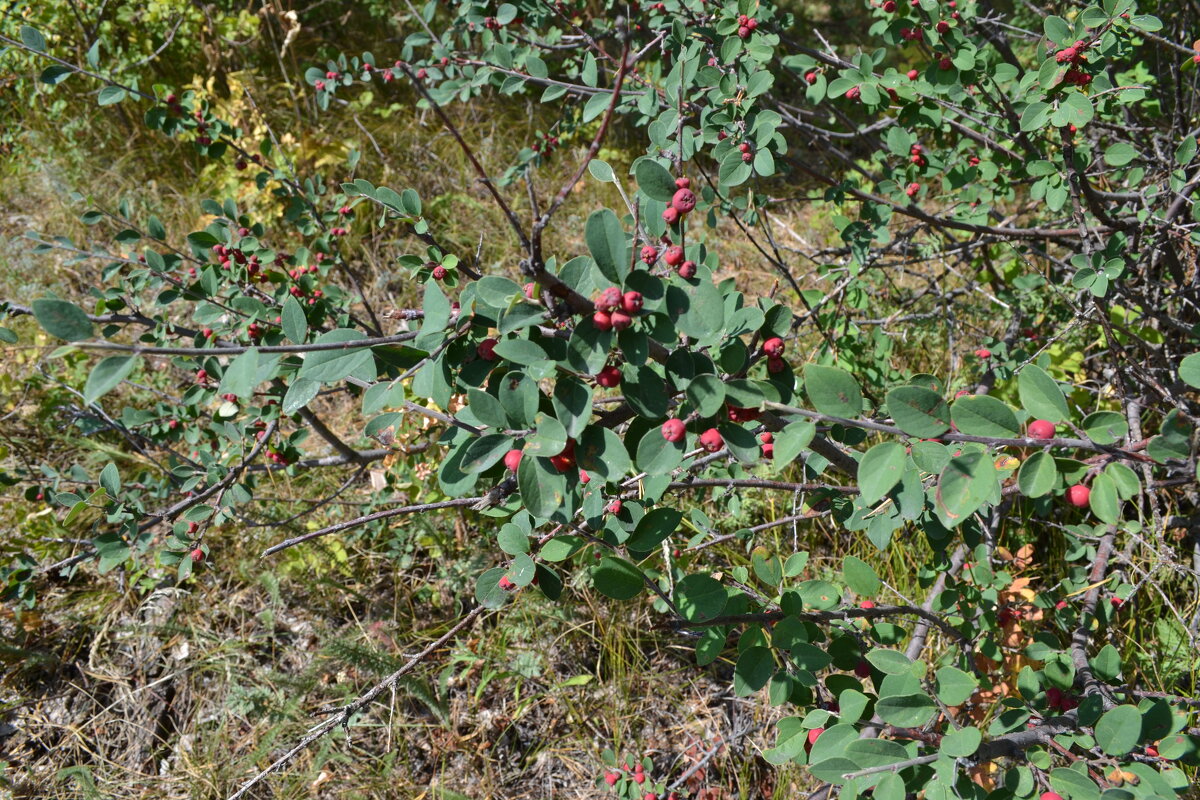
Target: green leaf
[
  {"x": 602, "y": 453},
  {"x": 33, "y": 38},
  {"x": 1103, "y": 499},
  {"x": 653, "y": 529},
  {"x": 110, "y": 479},
  {"x": 1119, "y": 154},
  {"x": 1035, "y": 116},
  {"x": 953, "y": 686},
  {"x": 1119, "y": 730},
  {"x": 241, "y": 376},
  {"x": 860, "y": 577},
  {"x": 891, "y": 662},
  {"x": 606, "y": 242},
  {"x": 330, "y": 366},
  {"x": 484, "y": 451},
  {"x": 512, "y": 539},
  {"x": 706, "y": 393},
  {"x": 961, "y": 743},
  {"x": 905, "y": 710},
  {"x": 299, "y": 394},
  {"x": 601, "y": 171},
  {"x": 487, "y": 589},
  {"x": 1105, "y": 427},
  {"x": 791, "y": 441},
  {"x": 1058, "y": 30},
  {"x": 543, "y": 490},
  {"x": 1189, "y": 370},
  {"x": 617, "y": 578},
  {"x": 753, "y": 669},
  {"x": 1037, "y": 475},
  {"x": 982, "y": 415},
  {"x": 110, "y": 95},
  {"x": 880, "y": 469},
  {"x": 919, "y": 411},
  {"x": 293, "y": 321},
  {"x": 656, "y": 456},
  {"x": 573, "y": 405},
  {"x": 964, "y": 485},
  {"x": 832, "y": 391},
  {"x": 654, "y": 180},
  {"x": 106, "y": 376},
  {"x": 1072, "y": 785},
  {"x": 700, "y": 597},
  {"x": 1041, "y": 395},
  {"x": 62, "y": 319},
  {"x": 549, "y": 437},
  {"x": 55, "y": 74}
]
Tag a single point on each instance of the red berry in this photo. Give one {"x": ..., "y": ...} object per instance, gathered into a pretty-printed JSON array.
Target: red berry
[
  {"x": 201, "y": 376},
  {"x": 614, "y": 507},
  {"x": 487, "y": 349},
  {"x": 912, "y": 189},
  {"x": 711, "y": 440},
  {"x": 610, "y": 778},
  {"x": 1078, "y": 495},
  {"x": 776, "y": 365},
  {"x": 609, "y": 299},
  {"x": 649, "y": 254},
  {"x": 810, "y": 77},
  {"x": 912, "y": 74},
  {"x": 813, "y": 735},
  {"x": 684, "y": 200},
  {"x": 773, "y": 346},
  {"x": 768, "y": 451},
  {"x": 506, "y": 584},
  {"x": 632, "y": 302},
  {"x": 1051, "y": 795},
  {"x": 942, "y": 26},
  {"x": 531, "y": 290},
  {"x": 673, "y": 430},
  {"x": 863, "y": 668},
  {"x": 766, "y": 437},
  {"x": 584, "y": 477},
  {"x": 197, "y": 556},
  {"x": 670, "y": 216},
  {"x": 565, "y": 460},
  {"x": 1060, "y": 605},
  {"x": 866, "y": 604},
  {"x": 602, "y": 320},
  {"x": 621, "y": 320},
  {"x": 752, "y": 23},
  {"x": 609, "y": 377},
  {"x": 1040, "y": 429},
  {"x": 512, "y": 459},
  {"x": 687, "y": 270},
  {"x": 945, "y": 62},
  {"x": 743, "y": 31},
  {"x": 683, "y": 183},
  {"x": 673, "y": 255},
  {"x": 889, "y": 6},
  {"x": 983, "y": 353},
  {"x": 439, "y": 273}
]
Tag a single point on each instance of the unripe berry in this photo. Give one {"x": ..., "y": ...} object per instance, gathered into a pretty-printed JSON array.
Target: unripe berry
[
  {"x": 673, "y": 430},
  {"x": 711, "y": 440},
  {"x": 673, "y": 255},
  {"x": 512, "y": 460}
]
